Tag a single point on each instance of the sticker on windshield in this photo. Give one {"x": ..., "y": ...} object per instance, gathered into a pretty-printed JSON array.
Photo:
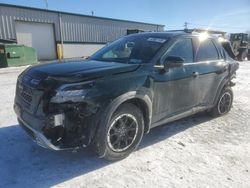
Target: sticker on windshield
[{"x": 157, "y": 40}]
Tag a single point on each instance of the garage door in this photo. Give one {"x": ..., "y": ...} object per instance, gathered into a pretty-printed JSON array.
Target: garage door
[{"x": 40, "y": 36}]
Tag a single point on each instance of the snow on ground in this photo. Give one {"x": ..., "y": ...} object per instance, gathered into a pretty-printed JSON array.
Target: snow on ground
[{"x": 194, "y": 152}]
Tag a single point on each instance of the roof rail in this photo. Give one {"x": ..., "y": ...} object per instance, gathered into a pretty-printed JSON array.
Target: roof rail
[
  {"x": 210, "y": 31},
  {"x": 199, "y": 30},
  {"x": 182, "y": 30}
]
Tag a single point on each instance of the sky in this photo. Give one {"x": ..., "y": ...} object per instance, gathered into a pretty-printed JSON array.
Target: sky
[{"x": 227, "y": 15}]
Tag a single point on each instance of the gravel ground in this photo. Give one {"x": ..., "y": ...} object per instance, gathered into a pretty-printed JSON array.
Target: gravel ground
[{"x": 193, "y": 152}]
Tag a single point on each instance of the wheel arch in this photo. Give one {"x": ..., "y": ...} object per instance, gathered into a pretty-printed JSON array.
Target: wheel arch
[
  {"x": 223, "y": 84},
  {"x": 139, "y": 99},
  {"x": 142, "y": 101}
]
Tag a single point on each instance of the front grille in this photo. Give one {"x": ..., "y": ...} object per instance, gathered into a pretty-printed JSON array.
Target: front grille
[{"x": 25, "y": 92}]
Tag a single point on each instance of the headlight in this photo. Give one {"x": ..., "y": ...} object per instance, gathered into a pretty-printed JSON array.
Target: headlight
[
  {"x": 73, "y": 95},
  {"x": 71, "y": 92}
]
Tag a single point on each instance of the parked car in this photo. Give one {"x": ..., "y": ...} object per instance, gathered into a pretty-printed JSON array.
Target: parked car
[{"x": 122, "y": 91}]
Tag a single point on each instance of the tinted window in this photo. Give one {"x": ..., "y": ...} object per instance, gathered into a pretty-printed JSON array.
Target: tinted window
[
  {"x": 206, "y": 51},
  {"x": 182, "y": 48}
]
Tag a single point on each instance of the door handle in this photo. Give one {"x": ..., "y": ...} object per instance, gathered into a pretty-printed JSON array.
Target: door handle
[{"x": 195, "y": 74}]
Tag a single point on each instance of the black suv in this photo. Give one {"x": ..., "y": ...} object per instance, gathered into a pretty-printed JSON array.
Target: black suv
[{"x": 128, "y": 87}]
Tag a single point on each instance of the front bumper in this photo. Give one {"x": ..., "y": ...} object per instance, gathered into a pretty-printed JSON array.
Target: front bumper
[
  {"x": 33, "y": 127},
  {"x": 39, "y": 138}
]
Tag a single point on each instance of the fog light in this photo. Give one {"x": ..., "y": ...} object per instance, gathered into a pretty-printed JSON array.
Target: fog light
[{"x": 59, "y": 120}]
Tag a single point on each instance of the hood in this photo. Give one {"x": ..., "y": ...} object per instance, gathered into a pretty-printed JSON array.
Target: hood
[{"x": 79, "y": 70}]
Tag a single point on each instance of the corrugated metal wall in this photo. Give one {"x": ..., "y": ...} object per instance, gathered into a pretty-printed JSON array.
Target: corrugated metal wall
[
  {"x": 86, "y": 29},
  {"x": 8, "y": 16},
  {"x": 75, "y": 28}
]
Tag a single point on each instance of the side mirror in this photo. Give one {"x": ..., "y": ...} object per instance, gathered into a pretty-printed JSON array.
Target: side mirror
[{"x": 171, "y": 62}]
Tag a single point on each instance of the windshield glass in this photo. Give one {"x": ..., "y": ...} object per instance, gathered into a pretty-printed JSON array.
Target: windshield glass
[{"x": 131, "y": 49}]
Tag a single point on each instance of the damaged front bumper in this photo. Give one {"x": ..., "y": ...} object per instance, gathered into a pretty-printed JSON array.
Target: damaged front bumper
[
  {"x": 58, "y": 120},
  {"x": 50, "y": 131},
  {"x": 39, "y": 138}
]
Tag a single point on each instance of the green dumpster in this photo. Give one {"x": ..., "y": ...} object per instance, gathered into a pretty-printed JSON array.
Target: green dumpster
[{"x": 16, "y": 55}]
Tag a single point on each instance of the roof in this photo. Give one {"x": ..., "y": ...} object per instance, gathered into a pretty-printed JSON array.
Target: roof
[
  {"x": 76, "y": 14},
  {"x": 170, "y": 34},
  {"x": 210, "y": 31},
  {"x": 160, "y": 34}
]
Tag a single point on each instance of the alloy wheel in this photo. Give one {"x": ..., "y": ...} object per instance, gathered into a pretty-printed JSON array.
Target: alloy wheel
[
  {"x": 224, "y": 104},
  {"x": 122, "y": 132}
]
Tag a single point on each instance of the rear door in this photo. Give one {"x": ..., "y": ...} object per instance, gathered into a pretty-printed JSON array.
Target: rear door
[{"x": 212, "y": 69}]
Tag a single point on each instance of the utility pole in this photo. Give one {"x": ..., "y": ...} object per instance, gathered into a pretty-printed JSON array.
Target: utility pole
[
  {"x": 46, "y": 4},
  {"x": 186, "y": 25}
]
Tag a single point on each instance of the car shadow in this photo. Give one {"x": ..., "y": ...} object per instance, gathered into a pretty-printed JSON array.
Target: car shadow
[
  {"x": 24, "y": 164},
  {"x": 163, "y": 132}
]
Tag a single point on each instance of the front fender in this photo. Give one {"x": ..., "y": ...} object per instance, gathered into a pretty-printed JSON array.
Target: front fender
[
  {"x": 112, "y": 107},
  {"x": 127, "y": 96}
]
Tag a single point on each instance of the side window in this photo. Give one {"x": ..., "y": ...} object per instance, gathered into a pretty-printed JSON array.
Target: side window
[
  {"x": 206, "y": 51},
  {"x": 182, "y": 48}
]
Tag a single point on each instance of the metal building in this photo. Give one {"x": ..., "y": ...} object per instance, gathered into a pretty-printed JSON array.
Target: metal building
[{"x": 53, "y": 33}]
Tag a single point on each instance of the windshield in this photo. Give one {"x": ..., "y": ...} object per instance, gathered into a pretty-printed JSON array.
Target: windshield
[{"x": 131, "y": 49}]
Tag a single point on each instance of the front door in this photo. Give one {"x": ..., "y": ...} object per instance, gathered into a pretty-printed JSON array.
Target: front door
[{"x": 174, "y": 90}]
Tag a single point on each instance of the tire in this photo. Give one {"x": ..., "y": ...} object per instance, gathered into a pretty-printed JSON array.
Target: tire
[
  {"x": 226, "y": 99},
  {"x": 122, "y": 134},
  {"x": 242, "y": 55}
]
